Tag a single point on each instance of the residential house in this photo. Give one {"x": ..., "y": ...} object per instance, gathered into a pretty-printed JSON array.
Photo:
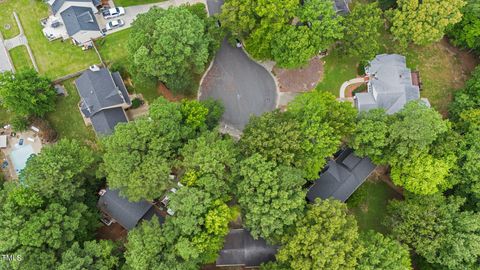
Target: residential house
[
  {"x": 104, "y": 99},
  {"x": 341, "y": 177},
  {"x": 241, "y": 250},
  {"x": 390, "y": 84},
  {"x": 116, "y": 208},
  {"x": 75, "y": 19},
  {"x": 341, "y": 6}
]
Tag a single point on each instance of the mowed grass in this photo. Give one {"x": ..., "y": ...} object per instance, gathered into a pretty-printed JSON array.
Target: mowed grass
[
  {"x": 369, "y": 205},
  {"x": 54, "y": 58},
  {"x": 338, "y": 68},
  {"x": 20, "y": 58},
  {"x": 113, "y": 49},
  {"x": 8, "y": 26},
  {"x": 126, "y": 3},
  {"x": 67, "y": 120}
]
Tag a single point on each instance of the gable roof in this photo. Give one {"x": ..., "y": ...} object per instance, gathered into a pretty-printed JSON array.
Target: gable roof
[
  {"x": 341, "y": 177},
  {"x": 240, "y": 249},
  {"x": 56, "y": 5},
  {"x": 78, "y": 19},
  {"x": 126, "y": 213},
  {"x": 390, "y": 84},
  {"x": 104, "y": 122},
  {"x": 100, "y": 90}
]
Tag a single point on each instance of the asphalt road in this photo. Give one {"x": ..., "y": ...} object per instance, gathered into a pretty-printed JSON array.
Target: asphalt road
[{"x": 244, "y": 87}]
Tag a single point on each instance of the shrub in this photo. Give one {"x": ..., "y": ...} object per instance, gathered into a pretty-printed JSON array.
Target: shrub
[
  {"x": 136, "y": 102},
  {"x": 19, "y": 123}
]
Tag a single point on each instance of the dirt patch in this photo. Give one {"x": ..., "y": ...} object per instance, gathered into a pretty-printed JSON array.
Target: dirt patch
[
  {"x": 301, "y": 79},
  {"x": 468, "y": 60},
  {"x": 166, "y": 93},
  {"x": 113, "y": 232}
]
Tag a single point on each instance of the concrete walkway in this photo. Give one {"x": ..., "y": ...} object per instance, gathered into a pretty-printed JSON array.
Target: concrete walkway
[
  {"x": 348, "y": 83},
  {"x": 5, "y": 61},
  {"x": 19, "y": 40},
  {"x": 132, "y": 12}
]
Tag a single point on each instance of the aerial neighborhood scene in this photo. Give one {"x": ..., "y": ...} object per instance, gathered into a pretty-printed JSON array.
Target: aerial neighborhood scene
[{"x": 240, "y": 134}]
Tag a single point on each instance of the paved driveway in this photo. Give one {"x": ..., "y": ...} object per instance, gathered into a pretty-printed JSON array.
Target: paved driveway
[
  {"x": 244, "y": 87},
  {"x": 132, "y": 12}
]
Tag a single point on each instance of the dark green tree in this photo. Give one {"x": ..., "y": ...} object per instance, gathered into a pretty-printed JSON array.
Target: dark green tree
[
  {"x": 27, "y": 93},
  {"x": 171, "y": 45},
  {"x": 101, "y": 255},
  {"x": 272, "y": 198},
  {"x": 362, "y": 31},
  {"x": 437, "y": 229},
  {"x": 466, "y": 33}
]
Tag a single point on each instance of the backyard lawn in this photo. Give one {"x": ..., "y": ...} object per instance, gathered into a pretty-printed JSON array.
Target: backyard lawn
[
  {"x": 126, "y": 3},
  {"x": 369, "y": 204},
  {"x": 113, "y": 49},
  {"x": 20, "y": 58},
  {"x": 54, "y": 59},
  {"x": 66, "y": 118}
]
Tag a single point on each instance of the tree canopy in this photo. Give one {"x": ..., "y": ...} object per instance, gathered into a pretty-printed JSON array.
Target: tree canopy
[
  {"x": 272, "y": 197},
  {"x": 171, "y": 45},
  {"x": 466, "y": 33},
  {"x": 362, "y": 31},
  {"x": 289, "y": 32},
  {"x": 424, "y": 22},
  {"x": 382, "y": 252},
  {"x": 326, "y": 238},
  {"x": 437, "y": 229},
  {"x": 27, "y": 93}
]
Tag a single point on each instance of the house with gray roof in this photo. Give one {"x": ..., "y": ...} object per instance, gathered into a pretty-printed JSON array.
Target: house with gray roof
[
  {"x": 128, "y": 214},
  {"x": 241, "y": 250},
  {"x": 341, "y": 6},
  {"x": 75, "y": 19},
  {"x": 341, "y": 177},
  {"x": 390, "y": 84},
  {"x": 103, "y": 99}
]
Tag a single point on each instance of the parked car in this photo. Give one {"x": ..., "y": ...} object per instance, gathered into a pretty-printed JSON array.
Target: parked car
[
  {"x": 115, "y": 24},
  {"x": 113, "y": 13},
  {"x": 20, "y": 142}
]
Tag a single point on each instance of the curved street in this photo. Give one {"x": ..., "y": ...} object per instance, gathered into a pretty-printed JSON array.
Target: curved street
[{"x": 244, "y": 87}]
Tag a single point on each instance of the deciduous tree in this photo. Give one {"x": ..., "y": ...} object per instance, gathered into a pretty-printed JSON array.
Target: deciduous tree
[
  {"x": 382, "y": 252},
  {"x": 101, "y": 255},
  {"x": 437, "y": 229},
  {"x": 326, "y": 238},
  {"x": 171, "y": 45},
  {"x": 466, "y": 33},
  {"x": 271, "y": 197},
  {"x": 27, "y": 93},
  {"x": 424, "y": 22}
]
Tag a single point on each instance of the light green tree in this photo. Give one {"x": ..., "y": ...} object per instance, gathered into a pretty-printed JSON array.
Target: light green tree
[{"x": 424, "y": 22}]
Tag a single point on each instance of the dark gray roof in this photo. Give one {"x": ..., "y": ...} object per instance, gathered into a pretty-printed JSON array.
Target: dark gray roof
[
  {"x": 99, "y": 90},
  {"x": 341, "y": 177},
  {"x": 57, "y": 4},
  {"x": 104, "y": 122},
  {"x": 78, "y": 19},
  {"x": 126, "y": 213},
  {"x": 242, "y": 250}
]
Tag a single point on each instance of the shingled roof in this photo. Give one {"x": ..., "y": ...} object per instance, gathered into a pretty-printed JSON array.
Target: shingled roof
[
  {"x": 240, "y": 249},
  {"x": 78, "y": 19},
  {"x": 390, "y": 84},
  {"x": 126, "y": 213},
  {"x": 56, "y": 5},
  {"x": 341, "y": 177}
]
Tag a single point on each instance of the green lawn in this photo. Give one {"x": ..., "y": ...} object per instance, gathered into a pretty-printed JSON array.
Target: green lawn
[
  {"x": 369, "y": 204},
  {"x": 126, "y": 3},
  {"x": 20, "y": 58},
  {"x": 55, "y": 58},
  {"x": 338, "y": 68},
  {"x": 113, "y": 49},
  {"x": 7, "y": 19},
  {"x": 67, "y": 120}
]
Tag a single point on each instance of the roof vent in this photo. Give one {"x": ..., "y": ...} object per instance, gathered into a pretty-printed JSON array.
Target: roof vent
[{"x": 94, "y": 68}]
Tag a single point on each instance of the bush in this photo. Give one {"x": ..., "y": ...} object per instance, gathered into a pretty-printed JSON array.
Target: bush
[
  {"x": 19, "y": 123},
  {"x": 47, "y": 133},
  {"x": 136, "y": 102}
]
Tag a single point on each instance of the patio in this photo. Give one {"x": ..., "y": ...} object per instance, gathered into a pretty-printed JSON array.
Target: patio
[{"x": 16, "y": 154}]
